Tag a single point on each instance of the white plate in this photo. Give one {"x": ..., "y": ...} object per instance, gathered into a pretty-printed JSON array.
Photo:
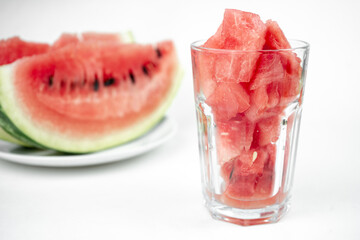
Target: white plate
[{"x": 158, "y": 135}]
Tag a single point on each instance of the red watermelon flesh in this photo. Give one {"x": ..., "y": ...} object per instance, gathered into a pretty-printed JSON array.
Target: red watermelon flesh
[
  {"x": 70, "y": 38},
  {"x": 89, "y": 88},
  {"x": 239, "y": 31},
  {"x": 289, "y": 88},
  {"x": 14, "y": 48},
  {"x": 227, "y": 100},
  {"x": 204, "y": 81},
  {"x": 243, "y": 173},
  {"x": 258, "y": 103},
  {"x": 267, "y": 130},
  {"x": 233, "y": 138},
  {"x": 273, "y": 95},
  {"x": 269, "y": 69},
  {"x": 275, "y": 38}
]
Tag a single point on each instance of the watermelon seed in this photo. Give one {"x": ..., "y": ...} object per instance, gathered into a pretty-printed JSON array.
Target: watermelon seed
[
  {"x": 51, "y": 80},
  {"x": 232, "y": 170},
  {"x": 72, "y": 86},
  {"x": 109, "y": 82},
  {"x": 132, "y": 77},
  {"x": 96, "y": 85},
  {"x": 145, "y": 70},
  {"x": 158, "y": 53}
]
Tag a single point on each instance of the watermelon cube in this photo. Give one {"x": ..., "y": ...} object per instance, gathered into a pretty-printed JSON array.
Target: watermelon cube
[
  {"x": 233, "y": 137},
  {"x": 258, "y": 103},
  {"x": 267, "y": 130},
  {"x": 238, "y": 31},
  {"x": 269, "y": 69},
  {"x": 289, "y": 87},
  {"x": 243, "y": 172},
  {"x": 227, "y": 100}
]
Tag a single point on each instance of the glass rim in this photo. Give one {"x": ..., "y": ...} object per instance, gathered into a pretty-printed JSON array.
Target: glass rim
[{"x": 197, "y": 45}]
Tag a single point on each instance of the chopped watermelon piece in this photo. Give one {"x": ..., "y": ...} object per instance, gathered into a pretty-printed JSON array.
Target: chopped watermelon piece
[
  {"x": 242, "y": 173},
  {"x": 271, "y": 150},
  {"x": 242, "y": 30},
  {"x": 275, "y": 38},
  {"x": 258, "y": 103},
  {"x": 203, "y": 74},
  {"x": 269, "y": 69},
  {"x": 273, "y": 95},
  {"x": 267, "y": 130},
  {"x": 227, "y": 100},
  {"x": 239, "y": 31},
  {"x": 289, "y": 87},
  {"x": 233, "y": 137}
]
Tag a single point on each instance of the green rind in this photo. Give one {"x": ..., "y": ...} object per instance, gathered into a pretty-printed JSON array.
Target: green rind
[
  {"x": 9, "y": 138},
  {"x": 9, "y": 132},
  {"x": 20, "y": 126}
]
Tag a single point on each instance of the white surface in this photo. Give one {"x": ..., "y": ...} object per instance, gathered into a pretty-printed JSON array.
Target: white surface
[
  {"x": 48, "y": 158},
  {"x": 158, "y": 195}
]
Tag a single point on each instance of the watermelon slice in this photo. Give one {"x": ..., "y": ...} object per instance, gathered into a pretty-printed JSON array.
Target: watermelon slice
[
  {"x": 15, "y": 48},
  {"x": 88, "y": 96}
]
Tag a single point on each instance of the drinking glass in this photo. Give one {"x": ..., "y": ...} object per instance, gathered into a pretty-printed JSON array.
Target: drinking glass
[{"x": 248, "y": 107}]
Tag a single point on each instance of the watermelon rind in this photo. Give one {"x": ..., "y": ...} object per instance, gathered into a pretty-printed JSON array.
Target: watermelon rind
[
  {"x": 18, "y": 124},
  {"x": 9, "y": 138},
  {"x": 10, "y": 133}
]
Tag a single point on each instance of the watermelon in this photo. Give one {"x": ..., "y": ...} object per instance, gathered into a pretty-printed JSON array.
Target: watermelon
[
  {"x": 248, "y": 75},
  {"x": 14, "y": 48},
  {"x": 88, "y": 95},
  {"x": 233, "y": 137},
  {"x": 238, "y": 31},
  {"x": 227, "y": 100}
]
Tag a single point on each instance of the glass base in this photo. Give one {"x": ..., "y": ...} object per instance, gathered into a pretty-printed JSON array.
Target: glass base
[{"x": 247, "y": 217}]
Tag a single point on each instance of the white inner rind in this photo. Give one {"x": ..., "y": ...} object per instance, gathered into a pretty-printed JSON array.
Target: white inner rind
[{"x": 12, "y": 107}]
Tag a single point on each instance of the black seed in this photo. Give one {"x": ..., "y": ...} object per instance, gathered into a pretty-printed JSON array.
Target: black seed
[
  {"x": 72, "y": 86},
  {"x": 145, "y": 70},
  {"x": 158, "y": 53},
  {"x": 232, "y": 170},
  {"x": 109, "y": 82},
  {"x": 96, "y": 85},
  {"x": 132, "y": 77},
  {"x": 51, "y": 81}
]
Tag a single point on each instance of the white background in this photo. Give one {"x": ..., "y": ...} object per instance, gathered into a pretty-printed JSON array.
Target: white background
[{"x": 158, "y": 195}]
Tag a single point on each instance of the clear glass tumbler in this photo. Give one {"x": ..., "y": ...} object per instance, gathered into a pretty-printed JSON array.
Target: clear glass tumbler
[{"x": 248, "y": 106}]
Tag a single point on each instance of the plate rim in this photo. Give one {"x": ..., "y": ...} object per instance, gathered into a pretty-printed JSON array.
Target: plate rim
[{"x": 166, "y": 124}]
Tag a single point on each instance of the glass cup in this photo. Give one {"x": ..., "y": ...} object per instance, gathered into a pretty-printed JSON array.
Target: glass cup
[{"x": 248, "y": 107}]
